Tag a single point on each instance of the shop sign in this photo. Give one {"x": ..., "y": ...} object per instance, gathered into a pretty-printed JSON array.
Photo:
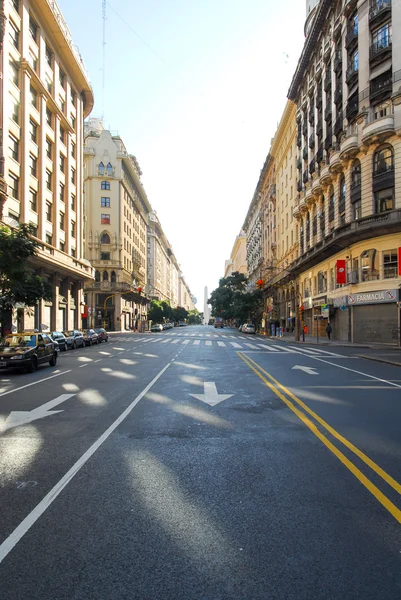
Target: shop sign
[
  {"x": 325, "y": 311},
  {"x": 339, "y": 301},
  {"x": 319, "y": 301},
  {"x": 379, "y": 297}
]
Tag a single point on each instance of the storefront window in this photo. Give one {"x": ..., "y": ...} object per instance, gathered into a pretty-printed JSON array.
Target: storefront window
[{"x": 390, "y": 264}]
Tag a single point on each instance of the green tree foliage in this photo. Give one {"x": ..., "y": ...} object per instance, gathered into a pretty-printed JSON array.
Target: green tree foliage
[
  {"x": 195, "y": 317},
  {"x": 232, "y": 300},
  {"x": 156, "y": 312},
  {"x": 160, "y": 311},
  {"x": 18, "y": 284},
  {"x": 179, "y": 314}
]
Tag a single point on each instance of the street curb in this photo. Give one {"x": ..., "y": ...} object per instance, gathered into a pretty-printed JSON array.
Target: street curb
[
  {"x": 333, "y": 344},
  {"x": 381, "y": 360}
]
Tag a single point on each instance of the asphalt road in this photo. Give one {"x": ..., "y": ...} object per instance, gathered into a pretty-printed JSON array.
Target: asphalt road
[{"x": 201, "y": 464}]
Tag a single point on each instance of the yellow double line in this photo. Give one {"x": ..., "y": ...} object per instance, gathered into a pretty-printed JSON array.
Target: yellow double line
[{"x": 289, "y": 399}]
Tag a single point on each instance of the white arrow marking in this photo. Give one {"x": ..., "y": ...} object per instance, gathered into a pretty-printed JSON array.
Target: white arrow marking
[
  {"x": 309, "y": 370},
  {"x": 210, "y": 395},
  {"x": 21, "y": 417}
]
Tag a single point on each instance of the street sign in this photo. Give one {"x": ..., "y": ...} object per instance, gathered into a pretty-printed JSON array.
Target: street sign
[{"x": 343, "y": 307}]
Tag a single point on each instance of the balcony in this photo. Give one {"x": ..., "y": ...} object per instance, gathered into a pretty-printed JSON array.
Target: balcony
[
  {"x": 379, "y": 11},
  {"x": 349, "y": 7},
  {"x": 328, "y": 113},
  {"x": 380, "y": 50},
  {"x": 312, "y": 141},
  {"x": 356, "y": 190},
  {"x": 349, "y": 146},
  {"x": 381, "y": 87},
  {"x": 351, "y": 39},
  {"x": 328, "y": 142},
  {"x": 352, "y": 109},
  {"x": 319, "y": 102},
  {"x": 378, "y": 128},
  {"x": 338, "y": 61},
  {"x": 351, "y": 76},
  {"x": 299, "y": 186},
  {"x": 327, "y": 82},
  {"x": 338, "y": 125},
  {"x": 383, "y": 178},
  {"x": 299, "y": 140},
  {"x": 319, "y": 127},
  {"x": 312, "y": 166},
  {"x": 338, "y": 96},
  {"x": 319, "y": 154}
]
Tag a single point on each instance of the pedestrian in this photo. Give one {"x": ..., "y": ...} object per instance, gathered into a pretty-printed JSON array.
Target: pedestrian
[{"x": 328, "y": 330}]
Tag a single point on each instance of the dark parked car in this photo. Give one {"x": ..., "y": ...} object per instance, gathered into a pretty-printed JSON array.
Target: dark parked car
[
  {"x": 102, "y": 335},
  {"x": 59, "y": 337},
  {"x": 27, "y": 351},
  {"x": 75, "y": 339},
  {"x": 90, "y": 337}
]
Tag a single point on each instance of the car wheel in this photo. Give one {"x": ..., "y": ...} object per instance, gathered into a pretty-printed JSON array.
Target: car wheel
[
  {"x": 53, "y": 360},
  {"x": 32, "y": 367}
]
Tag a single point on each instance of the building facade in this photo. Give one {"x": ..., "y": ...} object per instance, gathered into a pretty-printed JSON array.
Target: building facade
[
  {"x": 45, "y": 95},
  {"x": 237, "y": 261},
  {"x": 115, "y": 234},
  {"x": 347, "y": 89},
  {"x": 160, "y": 263}
]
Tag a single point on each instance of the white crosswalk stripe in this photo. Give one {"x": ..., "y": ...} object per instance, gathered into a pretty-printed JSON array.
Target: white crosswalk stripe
[
  {"x": 235, "y": 345},
  {"x": 208, "y": 343},
  {"x": 196, "y": 342},
  {"x": 252, "y": 346},
  {"x": 268, "y": 348},
  {"x": 185, "y": 341},
  {"x": 175, "y": 341},
  {"x": 221, "y": 344}
]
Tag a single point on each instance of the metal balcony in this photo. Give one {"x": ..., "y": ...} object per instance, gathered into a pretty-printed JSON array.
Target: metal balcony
[
  {"x": 381, "y": 49},
  {"x": 351, "y": 74},
  {"x": 379, "y": 11},
  {"x": 352, "y": 110},
  {"x": 327, "y": 82},
  {"x": 338, "y": 95},
  {"x": 351, "y": 38},
  {"x": 381, "y": 87}
]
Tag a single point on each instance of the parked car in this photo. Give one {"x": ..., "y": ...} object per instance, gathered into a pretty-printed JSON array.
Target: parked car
[
  {"x": 75, "y": 339},
  {"x": 90, "y": 337},
  {"x": 167, "y": 325},
  {"x": 102, "y": 335},
  {"x": 27, "y": 351},
  {"x": 59, "y": 337},
  {"x": 156, "y": 327},
  {"x": 248, "y": 328}
]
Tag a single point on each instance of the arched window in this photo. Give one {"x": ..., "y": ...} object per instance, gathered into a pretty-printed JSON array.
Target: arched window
[
  {"x": 341, "y": 203},
  {"x": 383, "y": 160},
  {"x": 356, "y": 174},
  {"x": 109, "y": 169},
  {"x": 105, "y": 276},
  {"x": 97, "y": 276},
  {"x": 113, "y": 278},
  {"x": 105, "y": 238},
  {"x": 100, "y": 168},
  {"x": 105, "y": 185}
]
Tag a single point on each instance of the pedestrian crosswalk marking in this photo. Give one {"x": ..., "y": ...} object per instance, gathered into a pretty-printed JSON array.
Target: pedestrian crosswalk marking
[
  {"x": 175, "y": 341},
  {"x": 185, "y": 341},
  {"x": 220, "y": 343},
  {"x": 196, "y": 342},
  {"x": 208, "y": 343},
  {"x": 252, "y": 346},
  {"x": 235, "y": 345},
  {"x": 269, "y": 348}
]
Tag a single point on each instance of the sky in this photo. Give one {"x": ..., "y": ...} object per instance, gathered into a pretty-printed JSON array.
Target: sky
[{"x": 196, "y": 89}]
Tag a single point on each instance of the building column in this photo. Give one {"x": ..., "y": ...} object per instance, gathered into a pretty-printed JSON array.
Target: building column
[
  {"x": 347, "y": 165},
  {"x": 54, "y": 309},
  {"x": 336, "y": 187},
  {"x": 318, "y": 212},
  {"x": 67, "y": 289}
]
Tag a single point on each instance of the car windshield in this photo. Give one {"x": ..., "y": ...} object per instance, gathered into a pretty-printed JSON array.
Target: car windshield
[{"x": 21, "y": 340}]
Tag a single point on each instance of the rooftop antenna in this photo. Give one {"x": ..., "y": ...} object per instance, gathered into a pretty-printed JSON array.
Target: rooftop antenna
[{"x": 104, "y": 55}]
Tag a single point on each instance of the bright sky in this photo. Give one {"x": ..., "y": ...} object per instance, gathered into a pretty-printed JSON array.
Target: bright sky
[{"x": 197, "y": 98}]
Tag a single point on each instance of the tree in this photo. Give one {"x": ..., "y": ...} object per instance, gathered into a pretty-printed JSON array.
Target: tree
[
  {"x": 180, "y": 314},
  {"x": 155, "y": 312},
  {"x": 232, "y": 300},
  {"x": 18, "y": 283},
  {"x": 195, "y": 317}
]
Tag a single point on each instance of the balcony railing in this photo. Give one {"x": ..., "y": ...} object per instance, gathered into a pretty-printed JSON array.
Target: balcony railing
[
  {"x": 328, "y": 113},
  {"x": 299, "y": 163},
  {"x": 379, "y": 8},
  {"x": 328, "y": 142},
  {"x": 338, "y": 95},
  {"x": 381, "y": 46},
  {"x": 352, "y": 36},
  {"x": 312, "y": 166},
  {"x": 382, "y": 85},
  {"x": 305, "y": 176},
  {"x": 305, "y": 153},
  {"x": 338, "y": 125},
  {"x": 352, "y": 110},
  {"x": 352, "y": 73},
  {"x": 327, "y": 81},
  {"x": 338, "y": 60}
]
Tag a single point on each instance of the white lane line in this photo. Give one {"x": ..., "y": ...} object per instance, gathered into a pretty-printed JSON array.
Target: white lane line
[
  {"x": 98, "y": 360},
  {"x": 329, "y": 353},
  {"x": 34, "y": 383},
  {"x": 235, "y": 345},
  {"x": 175, "y": 341},
  {"x": 214, "y": 335},
  {"x": 82, "y": 366},
  {"x": 122, "y": 352},
  {"x": 37, "y": 512},
  {"x": 208, "y": 343},
  {"x": 323, "y": 360},
  {"x": 220, "y": 343},
  {"x": 252, "y": 346},
  {"x": 196, "y": 343},
  {"x": 284, "y": 349}
]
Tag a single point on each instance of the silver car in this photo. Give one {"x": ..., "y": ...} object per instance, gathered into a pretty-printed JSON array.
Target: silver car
[{"x": 248, "y": 328}]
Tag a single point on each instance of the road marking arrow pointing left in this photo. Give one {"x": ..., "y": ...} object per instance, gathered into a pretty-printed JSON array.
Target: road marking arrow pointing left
[
  {"x": 210, "y": 395},
  {"x": 22, "y": 417},
  {"x": 309, "y": 370}
]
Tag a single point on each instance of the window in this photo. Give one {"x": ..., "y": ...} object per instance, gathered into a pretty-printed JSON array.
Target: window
[
  {"x": 33, "y": 29},
  {"x": 97, "y": 276},
  {"x": 354, "y": 61},
  {"x": 105, "y": 256},
  {"x": 72, "y": 119},
  {"x": 15, "y": 4},
  {"x": 331, "y": 207},
  {"x": 62, "y": 220},
  {"x": 49, "y": 212},
  {"x": 113, "y": 277},
  {"x": 33, "y": 60},
  {"x": 72, "y": 175},
  {"x": 62, "y": 135},
  {"x": 62, "y": 192},
  {"x": 14, "y": 35},
  {"x": 49, "y": 84},
  {"x": 321, "y": 282},
  {"x": 73, "y": 97},
  {"x": 49, "y": 176},
  {"x": 33, "y": 97},
  {"x": 62, "y": 246},
  {"x": 381, "y": 110},
  {"x": 384, "y": 200},
  {"x": 33, "y": 199},
  {"x": 73, "y": 149},
  {"x": 34, "y": 229},
  {"x": 13, "y": 145},
  {"x": 73, "y": 229},
  {"x": 357, "y": 210},
  {"x": 61, "y": 78},
  {"x": 105, "y": 238},
  {"x": 105, "y": 202},
  {"x": 390, "y": 264},
  {"x": 33, "y": 131},
  {"x": 354, "y": 24},
  {"x": 369, "y": 270},
  {"x": 109, "y": 169},
  {"x": 73, "y": 252},
  {"x": 13, "y": 215},
  {"x": 49, "y": 56},
  {"x": 72, "y": 202},
  {"x": 14, "y": 72},
  {"x": 49, "y": 148},
  {"x": 341, "y": 203},
  {"x": 105, "y": 276},
  {"x": 49, "y": 117},
  {"x": 61, "y": 103},
  {"x": 33, "y": 165},
  {"x": 381, "y": 38},
  {"x": 13, "y": 185},
  {"x": 14, "y": 110},
  {"x": 105, "y": 185},
  {"x": 62, "y": 163},
  {"x": 356, "y": 174},
  {"x": 105, "y": 219},
  {"x": 49, "y": 239},
  {"x": 101, "y": 168},
  {"x": 383, "y": 160}
]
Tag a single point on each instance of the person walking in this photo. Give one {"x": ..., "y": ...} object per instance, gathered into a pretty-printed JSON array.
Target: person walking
[{"x": 328, "y": 330}]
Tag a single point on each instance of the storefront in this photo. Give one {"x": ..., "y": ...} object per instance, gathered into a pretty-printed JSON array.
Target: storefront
[{"x": 375, "y": 316}]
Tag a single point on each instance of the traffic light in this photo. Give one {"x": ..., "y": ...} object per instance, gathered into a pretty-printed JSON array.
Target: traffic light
[
  {"x": 259, "y": 283},
  {"x": 139, "y": 290}
]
